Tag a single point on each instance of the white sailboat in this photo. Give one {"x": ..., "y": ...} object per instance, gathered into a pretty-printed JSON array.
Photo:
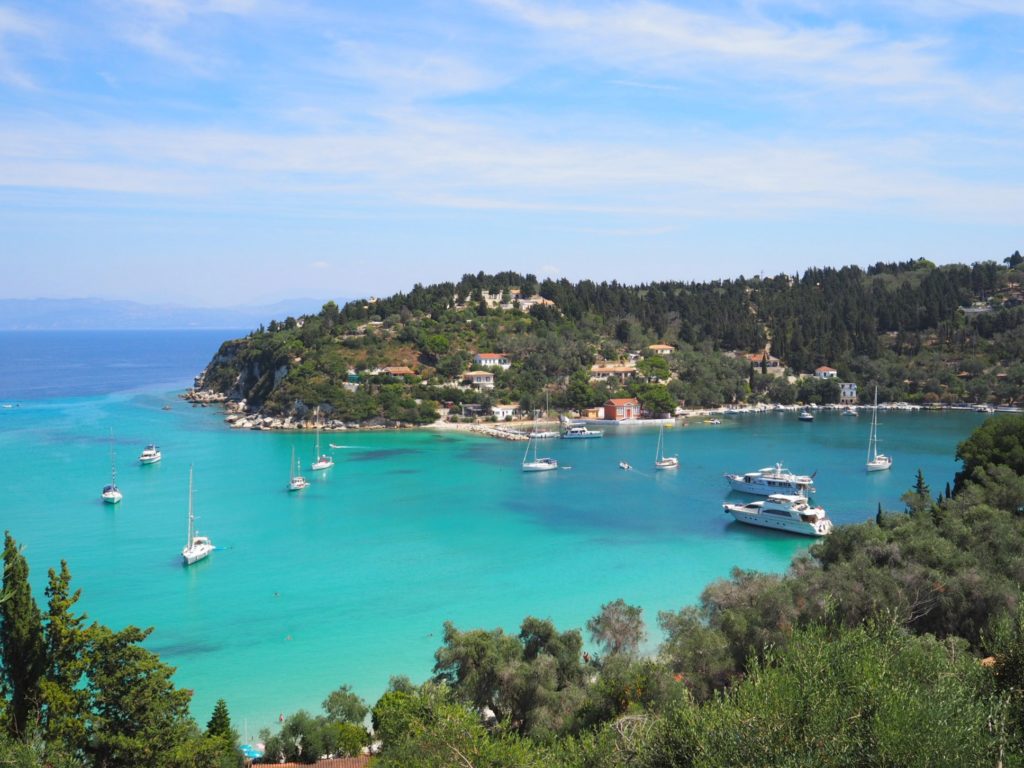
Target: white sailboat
[
  {"x": 661, "y": 461},
  {"x": 876, "y": 461},
  {"x": 196, "y": 547},
  {"x": 111, "y": 493},
  {"x": 296, "y": 482},
  {"x": 323, "y": 460},
  {"x": 542, "y": 464}
]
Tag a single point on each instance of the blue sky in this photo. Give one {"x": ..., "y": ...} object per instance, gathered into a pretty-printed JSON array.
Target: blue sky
[{"x": 238, "y": 151}]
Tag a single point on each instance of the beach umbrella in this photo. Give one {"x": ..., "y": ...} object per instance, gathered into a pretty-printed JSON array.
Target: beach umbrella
[{"x": 250, "y": 751}]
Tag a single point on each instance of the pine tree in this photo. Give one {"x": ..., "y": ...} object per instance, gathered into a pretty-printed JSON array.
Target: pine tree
[
  {"x": 21, "y": 643},
  {"x": 220, "y": 722},
  {"x": 878, "y": 515}
]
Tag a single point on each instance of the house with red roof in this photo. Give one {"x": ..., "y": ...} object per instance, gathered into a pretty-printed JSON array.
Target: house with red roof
[{"x": 621, "y": 408}]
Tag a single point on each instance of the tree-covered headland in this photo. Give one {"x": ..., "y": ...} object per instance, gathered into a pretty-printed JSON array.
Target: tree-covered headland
[
  {"x": 896, "y": 642},
  {"x": 923, "y": 333}
]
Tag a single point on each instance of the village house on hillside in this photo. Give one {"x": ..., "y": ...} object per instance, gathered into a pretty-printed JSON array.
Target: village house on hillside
[
  {"x": 618, "y": 371},
  {"x": 825, "y": 372},
  {"x": 661, "y": 349},
  {"x": 400, "y": 371},
  {"x": 488, "y": 359},
  {"x": 479, "y": 379}
]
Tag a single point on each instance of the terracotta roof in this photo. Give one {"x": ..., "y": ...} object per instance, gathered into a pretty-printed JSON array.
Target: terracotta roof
[
  {"x": 623, "y": 401},
  {"x": 399, "y": 370},
  {"x": 491, "y": 355},
  {"x": 362, "y": 761},
  {"x": 471, "y": 374},
  {"x": 822, "y": 368},
  {"x": 660, "y": 346}
]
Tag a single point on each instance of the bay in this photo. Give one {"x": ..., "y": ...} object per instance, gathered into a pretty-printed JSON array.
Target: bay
[{"x": 351, "y": 580}]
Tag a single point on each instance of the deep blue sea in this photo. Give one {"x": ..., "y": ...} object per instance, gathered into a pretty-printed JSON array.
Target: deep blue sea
[{"x": 351, "y": 580}]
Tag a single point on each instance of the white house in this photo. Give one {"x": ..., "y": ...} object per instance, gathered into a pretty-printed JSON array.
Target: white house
[
  {"x": 505, "y": 412},
  {"x": 824, "y": 372},
  {"x": 489, "y": 359},
  {"x": 661, "y": 349},
  {"x": 847, "y": 393},
  {"x": 479, "y": 379}
]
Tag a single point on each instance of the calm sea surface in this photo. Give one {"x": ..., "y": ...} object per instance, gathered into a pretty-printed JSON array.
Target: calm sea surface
[{"x": 350, "y": 580}]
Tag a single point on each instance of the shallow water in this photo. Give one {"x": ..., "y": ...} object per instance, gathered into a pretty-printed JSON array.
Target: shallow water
[{"x": 350, "y": 580}]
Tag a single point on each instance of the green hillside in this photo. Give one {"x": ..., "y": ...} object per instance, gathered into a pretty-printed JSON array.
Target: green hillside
[{"x": 925, "y": 334}]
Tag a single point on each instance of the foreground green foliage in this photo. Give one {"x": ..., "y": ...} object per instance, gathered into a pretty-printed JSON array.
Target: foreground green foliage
[{"x": 86, "y": 695}]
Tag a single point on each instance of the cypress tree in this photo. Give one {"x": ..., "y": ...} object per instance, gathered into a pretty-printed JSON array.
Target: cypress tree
[
  {"x": 64, "y": 701},
  {"x": 21, "y": 643},
  {"x": 878, "y": 515}
]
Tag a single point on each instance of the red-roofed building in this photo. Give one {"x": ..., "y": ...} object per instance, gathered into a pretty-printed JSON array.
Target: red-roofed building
[
  {"x": 824, "y": 372},
  {"x": 620, "y": 408},
  {"x": 488, "y": 359}
]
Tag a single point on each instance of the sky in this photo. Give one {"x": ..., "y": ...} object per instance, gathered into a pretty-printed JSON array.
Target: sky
[{"x": 223, "y": 152}]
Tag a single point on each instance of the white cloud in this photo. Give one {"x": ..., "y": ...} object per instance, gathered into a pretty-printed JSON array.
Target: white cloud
[
  {"x": 14, "y": 24},
  {"x": 654, "y": 38},
  {"x": 430, "y": 163}
]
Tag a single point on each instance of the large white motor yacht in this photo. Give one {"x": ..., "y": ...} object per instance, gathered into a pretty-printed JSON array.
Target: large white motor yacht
[{"x": 784, "y": 512}]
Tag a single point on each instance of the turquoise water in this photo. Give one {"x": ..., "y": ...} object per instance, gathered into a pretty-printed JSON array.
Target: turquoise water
[{"x": 350, "y": 580}]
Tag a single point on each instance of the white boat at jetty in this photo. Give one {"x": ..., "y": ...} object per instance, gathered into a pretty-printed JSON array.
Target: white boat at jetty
[
  {"x": 784, "y": 512},
  {"x": 661, "y": 461},
  {"x": 544, "y": 434},
  {"x": 806, "y": 416},
  {"x": 111, "y": 493},
  {"x": 196, "y": 547},
  {"x": 323, "y": 460},
  {"x": 296, "y": 482},
  {"x": 150, "y": 455},
  {"x": 542, "y": 464},
  {"x": 876, "y": 461},
  {"x": 580, "y": 433},
  {"x": 769, "y": 480}
]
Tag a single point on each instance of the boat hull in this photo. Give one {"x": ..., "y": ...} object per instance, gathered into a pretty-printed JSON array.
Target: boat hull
[
  {"x": 111, "y": 498},
  {"x": 539, "y": 466},
  {"x": 767, "y": 488},
  {"x": 318, "y": 465},
  {"x": 149, "y": 459},
  {"x": 879, "y": 464},
  {"x": 190, "y": 556},
  {"x": 746, "y": 516},
  {"x": 669, "y": 463}
]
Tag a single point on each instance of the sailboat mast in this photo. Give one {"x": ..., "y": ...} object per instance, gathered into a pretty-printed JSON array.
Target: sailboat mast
[{"x": 188, "y": 541}]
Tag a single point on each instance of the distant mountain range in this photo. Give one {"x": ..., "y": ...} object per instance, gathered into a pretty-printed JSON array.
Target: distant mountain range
[{"x": 105, "y": 314}]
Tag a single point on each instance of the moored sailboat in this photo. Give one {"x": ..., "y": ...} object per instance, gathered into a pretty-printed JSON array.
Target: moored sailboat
[
  {"x": 196, "y": 547},
  {"x": 323, "y": 460},
  {"x": 661, "y": 461},
  {"x": 111, "y": 493},
  {"x": 542, "y": 464},
  {"x": 296, "y": 482},
  {"x": 876, "y": 461}
]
